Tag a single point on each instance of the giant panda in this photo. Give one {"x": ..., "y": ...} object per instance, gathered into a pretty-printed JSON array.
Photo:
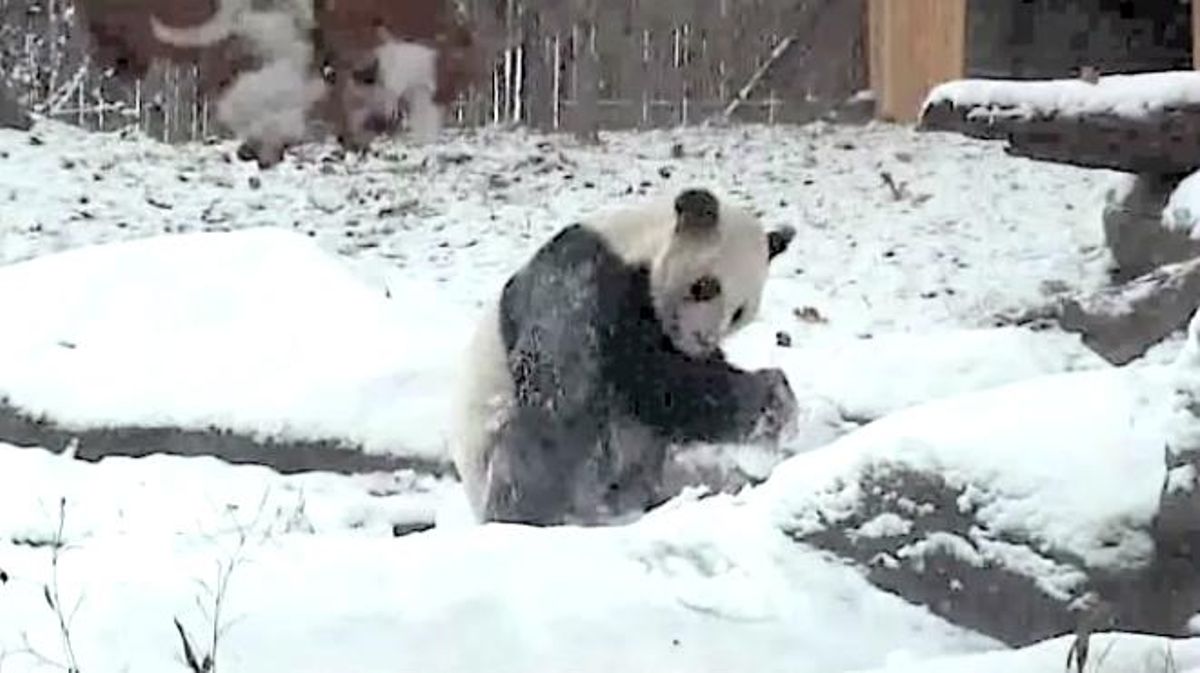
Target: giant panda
[{"x": 603, "y": 350}]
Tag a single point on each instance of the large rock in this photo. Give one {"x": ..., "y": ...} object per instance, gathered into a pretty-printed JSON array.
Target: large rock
[
  {"x": 1122, "y": 322},
  {"x": 1133, "y": 226},
  {"x": 1014, "y": 512}
]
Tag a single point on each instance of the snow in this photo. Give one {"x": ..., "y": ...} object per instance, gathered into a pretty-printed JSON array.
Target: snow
[
  {"x": 258, "y": 331},
  {"x": 1126, "y": 653},
  {"x": 1182, "y": 212},
  {"x": 1121, "y": 95},
  {"x": 886, "y": 524},
  {"x": 1071, "y": 462},
  {"x": 698, "y": 586},
  {"x": 117, "y": 496},
  {"x": 1185, "y": 422},
  {"x": 860, "y": 376},
  {"x": 266, "y": 345},
  {"x": 329, "y": 297}
]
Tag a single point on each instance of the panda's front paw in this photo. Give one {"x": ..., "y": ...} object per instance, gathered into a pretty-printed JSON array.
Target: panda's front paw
[{"x": 779, "y": 411}]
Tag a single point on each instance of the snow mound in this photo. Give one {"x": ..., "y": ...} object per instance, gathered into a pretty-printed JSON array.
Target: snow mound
[
  {"x": 698, "y": 586},
  {"x": 257, "y": 331},
  {"x": 1071, "y": 462},
  {"x": 1120, "y": 95},
  {"x": 163, "y": 496}
]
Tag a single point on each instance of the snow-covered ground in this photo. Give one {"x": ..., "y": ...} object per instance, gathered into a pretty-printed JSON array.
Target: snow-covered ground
[{"x": 331, "y": 298}]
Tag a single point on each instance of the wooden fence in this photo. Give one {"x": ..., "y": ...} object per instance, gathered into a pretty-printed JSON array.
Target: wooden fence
[{"x": 578, "y": 65}]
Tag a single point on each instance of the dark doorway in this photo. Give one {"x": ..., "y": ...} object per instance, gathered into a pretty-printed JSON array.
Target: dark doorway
[{"x": 1024, "y": 39}]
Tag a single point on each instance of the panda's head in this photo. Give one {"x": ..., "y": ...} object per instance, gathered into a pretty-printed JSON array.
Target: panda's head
[{"x": 707, "y": 272}]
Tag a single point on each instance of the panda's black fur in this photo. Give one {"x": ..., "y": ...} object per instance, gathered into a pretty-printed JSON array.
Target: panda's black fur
[{"x": 593, "y": 371}]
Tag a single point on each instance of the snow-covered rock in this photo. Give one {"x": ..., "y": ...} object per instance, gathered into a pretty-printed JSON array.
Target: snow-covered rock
[{"x": 1000, "y": 509}]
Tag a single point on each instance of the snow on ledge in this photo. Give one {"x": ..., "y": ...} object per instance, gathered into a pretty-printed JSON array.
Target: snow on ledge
[
  {"x": 258, "y": 332},
  {"x": 1121, "y": 95}
]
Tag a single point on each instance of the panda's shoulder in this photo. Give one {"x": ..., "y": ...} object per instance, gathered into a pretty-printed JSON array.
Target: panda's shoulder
[
  {"x": 568, "y": 247},
  {"x": 634, "y": 232}
]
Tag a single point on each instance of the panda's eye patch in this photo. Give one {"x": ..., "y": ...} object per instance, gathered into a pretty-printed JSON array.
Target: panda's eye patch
[
  {"x": 737, "y": 315},
  {"x": 707, "y": 288}
]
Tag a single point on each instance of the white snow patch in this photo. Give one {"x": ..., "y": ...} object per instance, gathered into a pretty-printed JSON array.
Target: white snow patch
[
  {"x": 1072, "y": 462},
  {"x": 1193, "y": 624},
  {"x": 1126, "y": 653},
  {"x": 258, "y": 331},
  {"x": 1055, "y": 579},
  {"x": 1181, "y": 479},
  {"x": 1182, "y": 212},
  {"x": 943, "y": 543},
  {"x": 870, "y": 378},
  {"x": 887, "y": 524}
]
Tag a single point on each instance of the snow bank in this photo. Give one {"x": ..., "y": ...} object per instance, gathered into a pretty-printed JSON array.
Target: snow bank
[
  {"x": 164, "y": 496},
  {"x": 699, "y": 586},
  {"x": 258, "y": 331},
  {"x": 1121, "y": 95},
  {"x": 1071, "y": 463},
  {"x": 869, "y": 378}
]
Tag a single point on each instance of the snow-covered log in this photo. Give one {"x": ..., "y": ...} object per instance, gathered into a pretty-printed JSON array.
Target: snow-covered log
[
  {"x": 1145, "y": 123},
  {"x": 1122, "y": 322}
]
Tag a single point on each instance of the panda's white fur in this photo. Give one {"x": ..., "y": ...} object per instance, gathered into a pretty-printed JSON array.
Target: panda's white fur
[{"x": 736, "y": 253}]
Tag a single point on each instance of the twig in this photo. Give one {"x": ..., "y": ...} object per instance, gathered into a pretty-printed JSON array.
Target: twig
[
  {"x": 157, "y": 203},
  {"x": 53, "y": 599},
  {"x": 1096, "y": 615},
  {"x": 897, "y": 190},
  {"x": 217, "y": 594},
  {"x": 189, "y": 653},
  {"x": 52, "y": 593}
]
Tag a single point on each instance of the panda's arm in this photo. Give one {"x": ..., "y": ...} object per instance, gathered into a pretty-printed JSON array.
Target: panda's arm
[
  {"x": 684, "y": 398},
  {"x": 689, "y": 399}
]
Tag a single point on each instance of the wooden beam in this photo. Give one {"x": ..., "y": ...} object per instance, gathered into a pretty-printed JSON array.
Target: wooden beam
[{"x": 914, "y": 46}]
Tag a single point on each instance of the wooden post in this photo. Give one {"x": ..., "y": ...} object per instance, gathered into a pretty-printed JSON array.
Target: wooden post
[
  {"x": 586, "y": 117},
  {"x": 1195, "y": 36},
  {"x": 914, "y": 46}
]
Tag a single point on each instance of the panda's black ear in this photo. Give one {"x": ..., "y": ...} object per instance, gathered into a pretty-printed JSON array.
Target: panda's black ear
[
  {"x": 779, "y": 240},
  {"x": 696, "y": 210}
]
